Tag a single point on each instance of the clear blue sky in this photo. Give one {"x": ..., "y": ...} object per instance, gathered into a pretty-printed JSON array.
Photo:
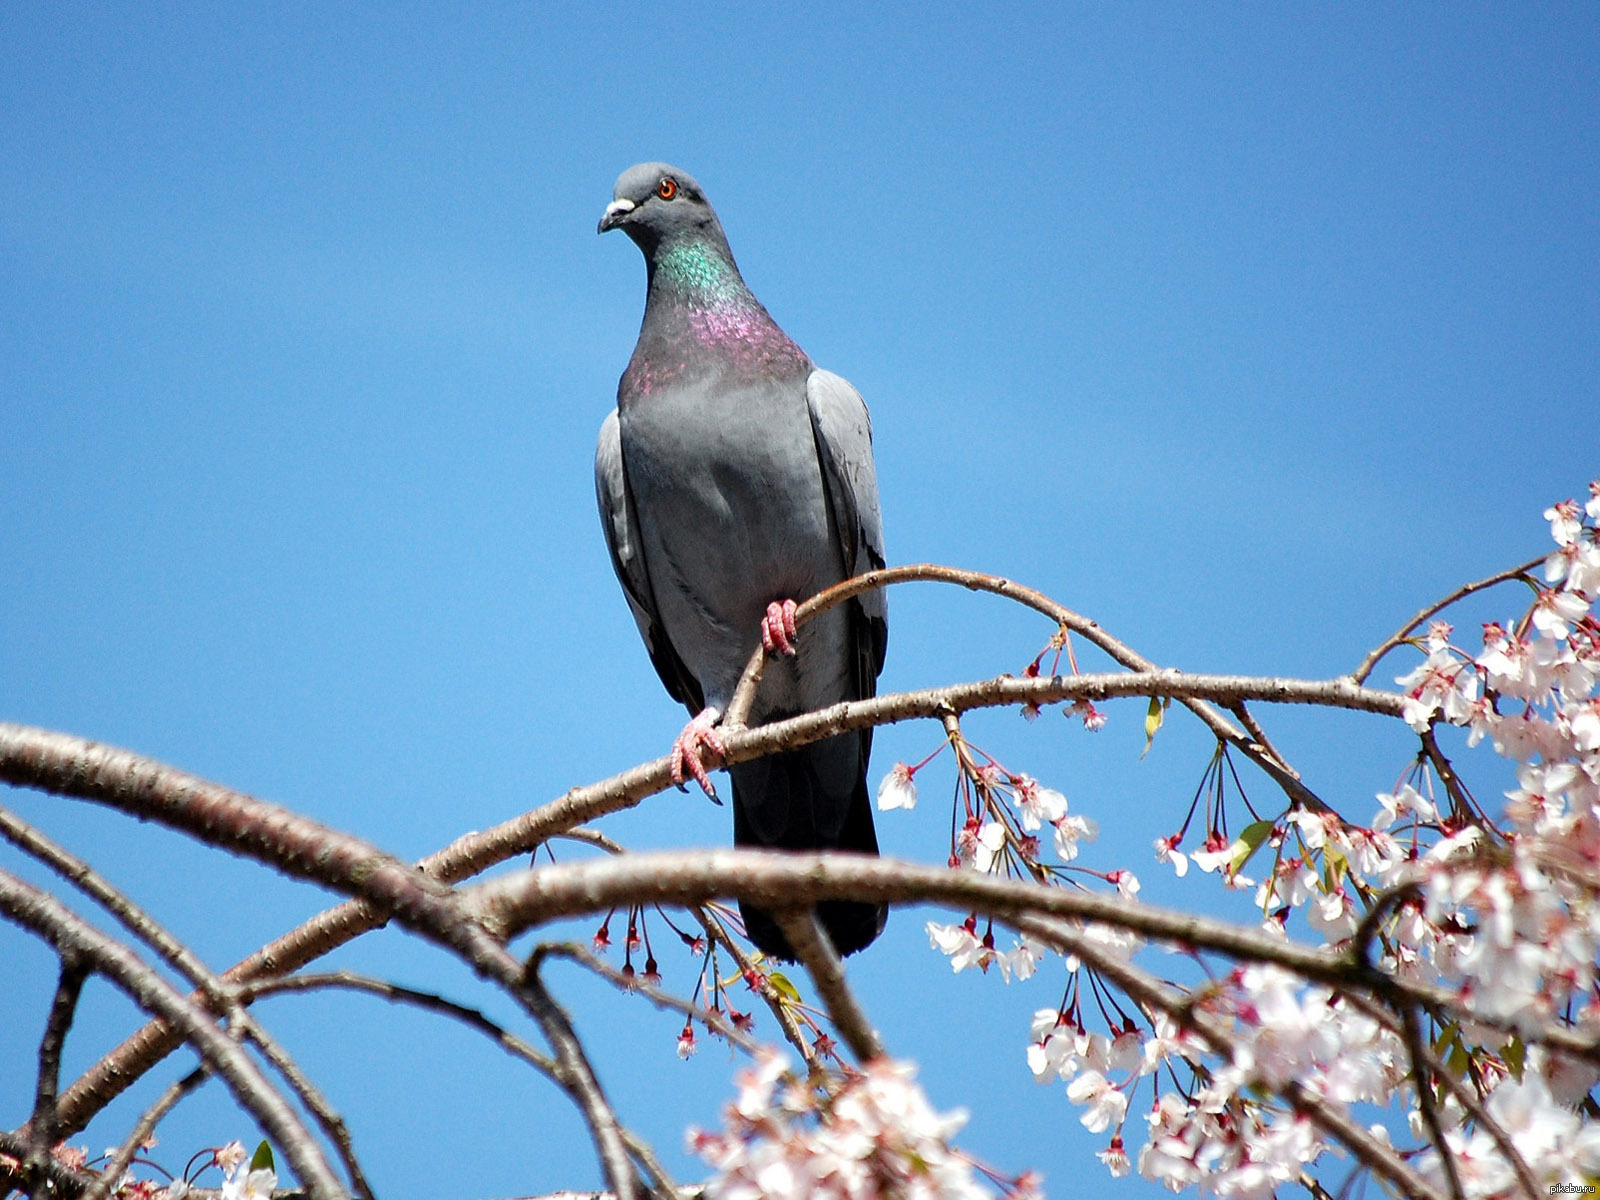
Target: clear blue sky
[{"x": 1246, "y": 331}]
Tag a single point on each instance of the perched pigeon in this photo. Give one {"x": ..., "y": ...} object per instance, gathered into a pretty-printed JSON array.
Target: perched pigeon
[{"x": 735, "y": 478}]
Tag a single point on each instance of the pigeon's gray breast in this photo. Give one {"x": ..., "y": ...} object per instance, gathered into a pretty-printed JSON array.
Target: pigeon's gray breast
[{"x": 734, "y": 515}]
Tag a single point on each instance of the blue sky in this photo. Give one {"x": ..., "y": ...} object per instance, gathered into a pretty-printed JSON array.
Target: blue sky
[{"x": 1246, "y": 331}]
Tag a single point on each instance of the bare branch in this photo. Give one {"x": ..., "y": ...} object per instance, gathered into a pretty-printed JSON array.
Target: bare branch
[
  {"x": 511, "y": 903},
  {"x": 132, "y": 918},
  {"x": 576, "y": 1076},
  {"x": 811, "y": 944},
  {"x": 69, "y": 986},
  {"x": 396, "y": 994},
  {"x": 1065, "y": 618},
  {"x": 1359, "y": 675},
  {"x": 219, "y": 996}
]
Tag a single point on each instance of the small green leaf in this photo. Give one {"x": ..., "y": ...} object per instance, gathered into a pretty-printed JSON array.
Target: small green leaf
[
  {"x": 1334, "y": 865},
  {"x": 1448, "y": 1036},
  {"x": 1247, "y": 844},
  {"x": 261, "y": 1160},
  {"x": 1153, "y": 717},
  {"x": 783, "y": 987},
  {"x": 1515, "y": 1054}
]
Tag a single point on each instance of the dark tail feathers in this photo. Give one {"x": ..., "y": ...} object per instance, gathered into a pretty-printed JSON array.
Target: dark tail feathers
[{"x": 814, "y": 798}]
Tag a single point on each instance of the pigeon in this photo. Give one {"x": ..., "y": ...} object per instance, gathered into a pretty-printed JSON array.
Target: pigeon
[{"x": 735, "y": 478}]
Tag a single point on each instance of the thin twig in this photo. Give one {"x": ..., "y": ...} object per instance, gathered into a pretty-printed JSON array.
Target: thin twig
[
  {"x": 132, "y": 917},
  {"x": 812, "y": 947},
  {"x": 1411, "y": 1031},
  {"x": 710, "y": 1018},
  {"x": 394, "y": 993},
  {"x": 1065, "y": 618},
  {"x": 1400, "y": 635},
  {"x": 716, "y": 934},
  {"x": 1485, "y": 1120},
  {"x": 775, "y": 1001},
  {"x": 142, "y": 1129}
]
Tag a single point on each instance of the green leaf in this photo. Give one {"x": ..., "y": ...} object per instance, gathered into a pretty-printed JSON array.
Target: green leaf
[
  {"x": 1153, "y": 717},
  {"x": 1334, "y": 865},
  {"x": 1247, "y": 844},
  {"x": 1446, "y": 1038},
  {"x": 261, "y": 1160},
  {"x": 784, "y": 988},
  {"x": 1516, "y": 1055}
]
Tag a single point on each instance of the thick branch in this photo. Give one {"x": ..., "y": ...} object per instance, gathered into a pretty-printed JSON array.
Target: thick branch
[{"x": 511, "y": 903}]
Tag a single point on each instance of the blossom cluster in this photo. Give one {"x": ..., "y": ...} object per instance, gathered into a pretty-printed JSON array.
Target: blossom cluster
[
  {"x": 872, "y": 1135},
  {"x": 1501, "y": 909}
]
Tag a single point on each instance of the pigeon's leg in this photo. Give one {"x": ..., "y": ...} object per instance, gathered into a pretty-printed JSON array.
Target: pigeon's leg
[
  {"x": 697, "y": 736},
  {"x": 777, "y": 627}
]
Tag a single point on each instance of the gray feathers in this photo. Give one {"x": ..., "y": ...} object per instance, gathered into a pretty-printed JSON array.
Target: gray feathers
[{"x": 734, "y": 474}]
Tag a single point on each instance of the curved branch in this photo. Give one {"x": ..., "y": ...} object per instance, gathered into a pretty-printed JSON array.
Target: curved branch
[
  {"x": 774, "y": 879},
  {"x": 1258, "y": 751},
  {"x": 218, "y": 996},
  {"x": 509, "y": 904},
  {"x": 395, "y": 993},
  {"x": 1400, "y": 635}
]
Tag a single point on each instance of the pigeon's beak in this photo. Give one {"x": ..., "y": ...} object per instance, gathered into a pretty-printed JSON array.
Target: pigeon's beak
[{"x": 614, "y": 214}]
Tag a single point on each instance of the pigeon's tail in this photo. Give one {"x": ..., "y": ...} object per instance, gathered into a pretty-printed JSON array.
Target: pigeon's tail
[{"x": 814, "y": 798}]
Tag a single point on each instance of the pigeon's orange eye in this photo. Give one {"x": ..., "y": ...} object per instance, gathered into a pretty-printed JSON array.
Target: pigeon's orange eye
[{"x": 667, "y": 188}]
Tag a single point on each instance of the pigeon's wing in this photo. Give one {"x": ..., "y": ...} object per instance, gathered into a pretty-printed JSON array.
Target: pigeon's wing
[
  {"x": 621, "y": 525},
  {"x": 843, "y": 433}
]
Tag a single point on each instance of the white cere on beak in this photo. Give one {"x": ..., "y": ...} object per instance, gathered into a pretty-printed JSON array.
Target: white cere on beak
[{"x": 617, "y": 207}]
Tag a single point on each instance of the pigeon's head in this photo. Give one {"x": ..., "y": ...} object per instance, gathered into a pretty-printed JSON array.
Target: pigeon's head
[{"x": 654, "y": 203}]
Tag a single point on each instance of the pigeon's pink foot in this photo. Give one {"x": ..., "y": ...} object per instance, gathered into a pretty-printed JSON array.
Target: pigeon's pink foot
[
  {"x": 777, "y": 628},
  {"x": 697, "y": 737}
]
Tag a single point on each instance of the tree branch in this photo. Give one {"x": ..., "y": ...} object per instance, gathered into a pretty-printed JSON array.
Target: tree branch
[
  {"x": 811, "y": 944},
  {"x": 69, "y": 986},
  {"x": 1359, "y": 675}
]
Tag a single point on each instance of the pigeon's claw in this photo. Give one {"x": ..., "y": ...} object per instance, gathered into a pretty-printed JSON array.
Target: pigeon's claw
[
  {"x": 698, "y": 736},
  {"x": 778, "y": 629}
]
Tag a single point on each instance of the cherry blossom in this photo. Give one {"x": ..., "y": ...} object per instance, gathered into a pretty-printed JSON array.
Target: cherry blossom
[
  {"x": 897, "y": 790},
  {"x": 872, "y": 1135}
]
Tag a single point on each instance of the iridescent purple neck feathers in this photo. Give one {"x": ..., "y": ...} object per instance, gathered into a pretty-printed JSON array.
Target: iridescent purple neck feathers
[{"x": 700, "y": 319}]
